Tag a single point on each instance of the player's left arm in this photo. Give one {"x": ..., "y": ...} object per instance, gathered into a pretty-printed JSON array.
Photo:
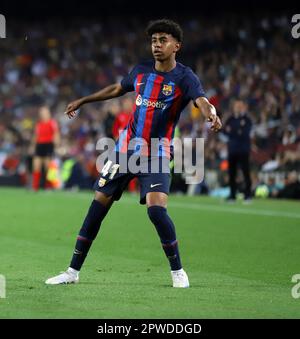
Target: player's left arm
[{"x": 209, "y": 112}]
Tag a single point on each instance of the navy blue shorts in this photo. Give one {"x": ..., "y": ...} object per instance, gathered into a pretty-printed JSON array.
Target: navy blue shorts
[{"x": 113, "y": 182}]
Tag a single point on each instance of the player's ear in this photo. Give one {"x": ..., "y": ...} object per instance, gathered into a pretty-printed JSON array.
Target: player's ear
[{"x": 177, "y": 47}]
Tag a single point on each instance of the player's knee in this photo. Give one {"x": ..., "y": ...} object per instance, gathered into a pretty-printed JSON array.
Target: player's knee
[
  {"x": 157, "y": 214},
  {"x": 156, "y": 199},
  {"x": 103, "y": 199}
]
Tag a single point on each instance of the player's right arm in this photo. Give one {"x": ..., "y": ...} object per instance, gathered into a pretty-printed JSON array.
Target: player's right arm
[{"x": 109, "y": 92}]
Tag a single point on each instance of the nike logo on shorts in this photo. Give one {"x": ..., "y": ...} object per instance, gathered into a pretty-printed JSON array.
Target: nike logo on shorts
[{"x": 154, "y": 185}]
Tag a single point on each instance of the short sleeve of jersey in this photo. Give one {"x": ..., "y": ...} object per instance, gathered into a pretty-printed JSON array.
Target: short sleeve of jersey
[
  {"x": 192, "y": 85},
  {"x": 127, "y": 82}
]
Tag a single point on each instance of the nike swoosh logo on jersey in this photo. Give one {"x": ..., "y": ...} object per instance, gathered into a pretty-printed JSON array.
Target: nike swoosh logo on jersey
[
  {"x": 153, "y": 185},
  {"x": 140, "y": 83}
]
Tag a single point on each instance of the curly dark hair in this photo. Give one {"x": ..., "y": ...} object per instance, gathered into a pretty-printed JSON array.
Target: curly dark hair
[{"x": 165, "y": 26}]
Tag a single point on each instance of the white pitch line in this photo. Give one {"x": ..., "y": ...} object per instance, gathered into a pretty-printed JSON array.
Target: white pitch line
[
  {"x": 203, "y": 206},
  {"x": 235, "y": 210},
  {"x": 216, "y": 208}
]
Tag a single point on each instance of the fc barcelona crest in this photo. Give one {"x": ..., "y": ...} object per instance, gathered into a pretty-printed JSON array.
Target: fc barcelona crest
[
  {"x": 101, "y": 182},
  {"x": 167, "y": 89}
]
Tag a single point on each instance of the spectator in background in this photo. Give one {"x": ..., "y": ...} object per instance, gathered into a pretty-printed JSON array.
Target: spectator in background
[
  {"x": 238, "y": 128},
  {"x": 74, "y": 174},
  {"x": 121, "y": 121},
  {"x": 291, "y": 190},
  {"x": 259, "y": 61},
  {"x": 46, "y": 136},
  {"x": 109, "y": 121},
  {"x": 122, "y": 118}
]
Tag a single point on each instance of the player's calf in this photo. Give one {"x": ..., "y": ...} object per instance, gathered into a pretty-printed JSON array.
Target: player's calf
[{"x": 166, "y": 231}]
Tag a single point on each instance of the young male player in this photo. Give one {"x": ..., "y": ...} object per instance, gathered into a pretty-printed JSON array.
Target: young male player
[{"x": 163, "y": 88}]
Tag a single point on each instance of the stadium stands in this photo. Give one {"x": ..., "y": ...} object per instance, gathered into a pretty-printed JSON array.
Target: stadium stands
[{"x": 256, "y": 60}]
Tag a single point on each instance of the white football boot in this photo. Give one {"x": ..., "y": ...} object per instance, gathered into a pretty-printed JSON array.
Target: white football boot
[
  {"x": 68, "y": 277},
  {"x": 180, "y": 279}
]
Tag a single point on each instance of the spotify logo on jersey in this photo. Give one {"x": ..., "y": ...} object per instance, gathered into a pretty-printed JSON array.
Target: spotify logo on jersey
[
  {"x": 149, "y": 103},
  {"x": 139, "y": 100}
]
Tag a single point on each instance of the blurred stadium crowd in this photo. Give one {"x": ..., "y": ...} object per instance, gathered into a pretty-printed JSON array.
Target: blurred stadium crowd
[{"x": 256, "y": 60}]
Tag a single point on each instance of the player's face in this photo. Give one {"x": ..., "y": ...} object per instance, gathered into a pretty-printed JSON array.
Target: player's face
[{"x": 163, "y": 46}]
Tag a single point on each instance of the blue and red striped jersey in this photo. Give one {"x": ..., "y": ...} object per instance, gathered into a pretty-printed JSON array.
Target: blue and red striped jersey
[{"x": 160, "y": 97}]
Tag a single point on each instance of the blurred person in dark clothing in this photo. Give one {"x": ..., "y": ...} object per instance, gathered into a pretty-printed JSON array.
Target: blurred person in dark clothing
[
  {"x": 291, "y": 189},
  {"x": 114, "y": 109},
  {"x": 238, "y": 129},
  {"x": 75, "y": 173}
]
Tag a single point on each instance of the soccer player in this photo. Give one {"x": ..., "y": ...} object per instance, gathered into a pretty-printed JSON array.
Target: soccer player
[
  {"x": 163, "y": 87},
  {"x": 46, "y": 136}
]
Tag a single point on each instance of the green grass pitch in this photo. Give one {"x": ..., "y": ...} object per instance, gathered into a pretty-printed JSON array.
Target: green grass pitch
[{"x": 240, "y": 259}]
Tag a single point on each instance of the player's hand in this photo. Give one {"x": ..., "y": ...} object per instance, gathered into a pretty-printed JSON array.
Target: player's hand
[
  {"x": 72, "y": 107},
  {"x": 216, "y": 123}
]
